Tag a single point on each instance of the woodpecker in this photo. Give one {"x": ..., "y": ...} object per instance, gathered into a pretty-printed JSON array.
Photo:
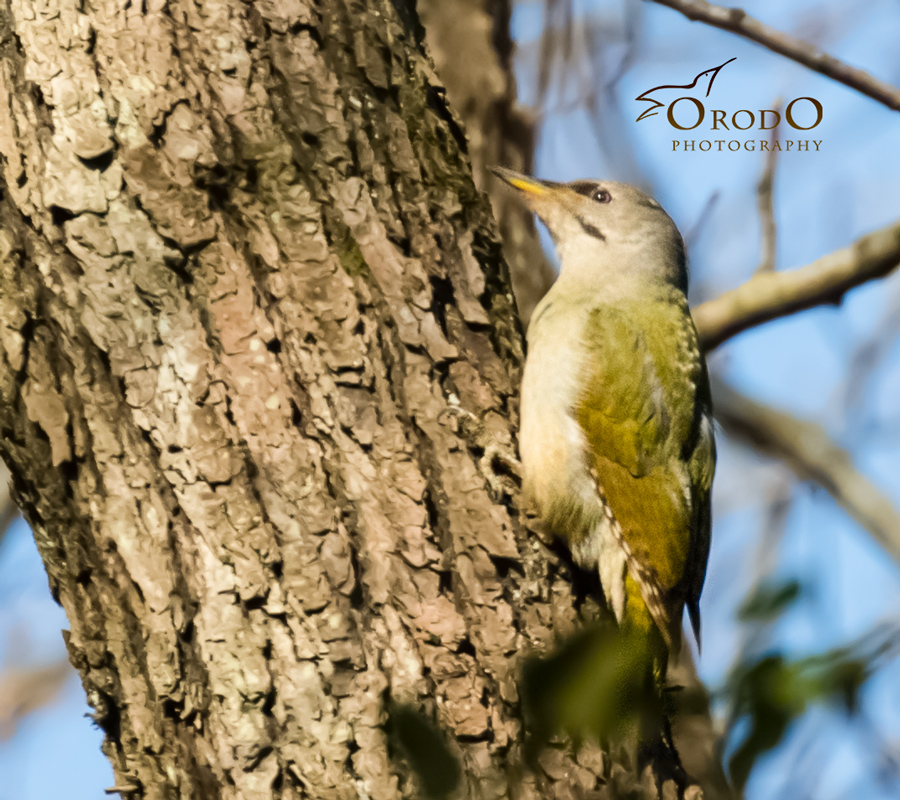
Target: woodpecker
[{"x": 616, "y": 435}]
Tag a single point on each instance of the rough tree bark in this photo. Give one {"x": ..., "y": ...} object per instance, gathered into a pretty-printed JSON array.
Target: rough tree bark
[
  {"x": 245, "y": 280},
  {"x": 472, "y": 48}
]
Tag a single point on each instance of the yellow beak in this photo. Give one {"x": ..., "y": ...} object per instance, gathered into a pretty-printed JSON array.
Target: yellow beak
[{"x": 523, "y": 183}]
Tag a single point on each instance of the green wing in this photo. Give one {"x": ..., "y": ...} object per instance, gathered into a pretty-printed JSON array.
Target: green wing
[
  {"x": 701, "y": 467},
  {"x": 643, "y": 414}
]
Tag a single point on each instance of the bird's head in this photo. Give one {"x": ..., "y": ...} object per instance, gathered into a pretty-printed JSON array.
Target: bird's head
[{"x": 604, "y": 228}]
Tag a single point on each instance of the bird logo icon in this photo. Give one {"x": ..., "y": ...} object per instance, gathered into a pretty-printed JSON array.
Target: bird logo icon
[{"x": 657, "y": 104}]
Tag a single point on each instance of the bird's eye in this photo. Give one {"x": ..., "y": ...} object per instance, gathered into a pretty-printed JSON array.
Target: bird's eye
[{"x": 592, "y": 190}]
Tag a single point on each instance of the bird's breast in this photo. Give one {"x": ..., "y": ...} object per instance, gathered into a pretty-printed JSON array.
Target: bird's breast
[{"x": 551, "y": 442}]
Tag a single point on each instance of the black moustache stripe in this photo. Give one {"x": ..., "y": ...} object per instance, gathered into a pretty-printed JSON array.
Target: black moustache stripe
[{"x": 590, "y": 230}]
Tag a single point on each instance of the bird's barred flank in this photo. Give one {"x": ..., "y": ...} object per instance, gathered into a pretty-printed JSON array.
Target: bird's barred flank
[{"x": 644, "y": 576}]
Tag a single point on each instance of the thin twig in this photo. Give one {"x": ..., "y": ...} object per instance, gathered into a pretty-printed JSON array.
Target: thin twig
[
  {"x": 766, "y": 204},
  {"x": 868, "y": 356},
  {"x": 739, "y": 22},
  {"x": 807, "y": 449},
  {"x": 693, "y": 233},
  {"x": 770, "y": 295}
]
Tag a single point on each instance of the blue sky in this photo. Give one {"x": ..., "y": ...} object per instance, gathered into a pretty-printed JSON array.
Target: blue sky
[
  {"x": 55, "y": 751},
  {"x": 823, "y": 201}
]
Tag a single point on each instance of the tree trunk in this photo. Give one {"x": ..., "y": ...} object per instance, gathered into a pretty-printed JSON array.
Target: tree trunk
[
  {"x": 472, "y": 48},
  {"x": 257, "y": 350}
]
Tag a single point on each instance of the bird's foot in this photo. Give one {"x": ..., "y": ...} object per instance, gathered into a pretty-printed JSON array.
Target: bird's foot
[{"x": 496, "y": 456}]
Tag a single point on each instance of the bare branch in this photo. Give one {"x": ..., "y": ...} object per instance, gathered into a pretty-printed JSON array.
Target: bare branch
[
  {"x": 25, "y": 690},
  {"x": 767, "y": 296},
  {"x": 737, "y": 21},
  {"x": 8, "y": 510},
  {"x": 813, "y": 455}
]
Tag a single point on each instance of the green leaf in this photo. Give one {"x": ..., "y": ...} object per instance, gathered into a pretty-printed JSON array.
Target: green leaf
[
  {"x": 596, "y": 684},
  {"x": 769, "y": 694},
  {"x": 763, "y": 694},
  {"x": 425, "y": 748},
  {"x": 770, "y": 600}
]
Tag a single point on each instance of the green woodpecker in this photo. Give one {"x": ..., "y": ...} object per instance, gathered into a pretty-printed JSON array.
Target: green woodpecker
[{"x": 616, "y": 431}]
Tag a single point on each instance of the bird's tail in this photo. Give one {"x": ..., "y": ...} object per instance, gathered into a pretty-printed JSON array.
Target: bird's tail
[
  {"x": 648, "y": 655},
  {"x": 639, "y": 624}
]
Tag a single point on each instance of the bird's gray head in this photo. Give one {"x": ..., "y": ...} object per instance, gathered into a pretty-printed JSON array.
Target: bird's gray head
[{"x": 606, "y": 230}]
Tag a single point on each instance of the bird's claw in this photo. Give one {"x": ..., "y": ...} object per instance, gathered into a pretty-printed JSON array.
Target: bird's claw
[{"x": 497, "y": 462}]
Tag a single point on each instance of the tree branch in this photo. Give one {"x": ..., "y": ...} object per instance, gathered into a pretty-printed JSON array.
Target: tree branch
[
  {"x": 767, "y": 296},
  {"x": 737, "y": 21},
  {"x": 25, "y": 690},
  {"x": 813, "y": 455}
]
